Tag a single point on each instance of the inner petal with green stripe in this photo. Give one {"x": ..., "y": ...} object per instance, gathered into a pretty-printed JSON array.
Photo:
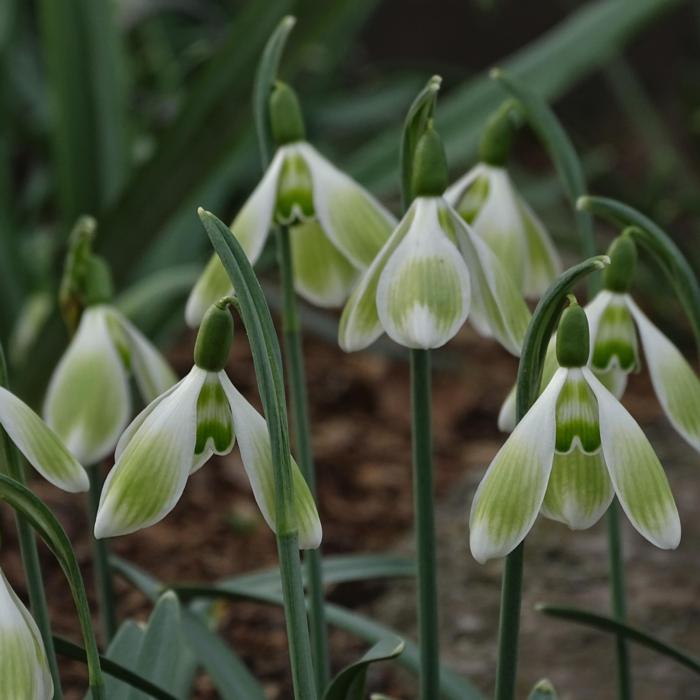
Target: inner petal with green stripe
[
  {"x": 215, "y": 433},
  {"x": 615, "y": 338},
  {"x": 578, "y": 425}
]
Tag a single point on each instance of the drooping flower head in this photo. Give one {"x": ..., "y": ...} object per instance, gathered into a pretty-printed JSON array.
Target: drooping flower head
[
  {"x": 335, "y": 226},
  {"x": 571, "y": 454},
  {"x": 24, "y": 668},
  {"x": 488, "y": 201},
  {"x": 175, "y": 435},
  {"x": 431, "y": 274},
  {"x": 88, "y": 402}
]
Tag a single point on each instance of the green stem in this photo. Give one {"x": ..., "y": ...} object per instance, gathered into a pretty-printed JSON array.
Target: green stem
[
  {"x": 428, "y": 627},
  {"x": 619, "y": 605},
  {"x": 295, "y": 616},
  {"x": 104, "y": 584},
  {"x": 302, "y": 433},
  {"x": 509, "y": 624}
]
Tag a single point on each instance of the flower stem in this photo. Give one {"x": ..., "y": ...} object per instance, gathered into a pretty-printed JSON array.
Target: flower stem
[
  {"x": 302, "y": 433},
  {"x": 618, "y": 600},
  {"x": 428, "y": 627},
  {"x": 104, "y": 584},
  {"x": 509, "y": 625}
]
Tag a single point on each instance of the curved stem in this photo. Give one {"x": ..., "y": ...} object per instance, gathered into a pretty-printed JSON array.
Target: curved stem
[
  {"x": 428, "y": 626},
  {"x": 617, "y": 595},
  {"x": 104, "y": 584},
  {"x": 302, "y": 433}
]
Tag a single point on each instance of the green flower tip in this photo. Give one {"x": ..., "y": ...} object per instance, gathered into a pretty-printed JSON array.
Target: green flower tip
[
  {"x": 213, "y": 344},
  {"x": 98, "y": 281},
  {"x": 498, "y": 135},
  {"x": 435, "y": 83},
  {"x": 573, "y": 341},
  {"x": 429, "y": 165},
  {"x": 286, "y": 120},
  {"x": 619, "y": 275},
  {"x": 583, "y": 202},
  {"x": 288, "y": 21}
]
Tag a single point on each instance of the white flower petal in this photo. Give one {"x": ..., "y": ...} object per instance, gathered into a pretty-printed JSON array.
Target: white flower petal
[
  {"x": 635, "y": 471},
  {"x": 356, "y": 223},
  {"x": 543, "y": 262},
  {"x": 250, "y": 227},
  {"x": 256, "y": 454},
  {"x": 454, "y": 193},
  {"x": 423, "y": 293},
  {"x": 24, "y": 669},
  {"x": 150, "y": 475},
  {"x": 40, "y": 445},
  {"x": 510, "y": 495},
  {"x": 215, "y": 434},
  {"x": 595, "y": 309},
  {"x": 675, "y": 383},
  {"x": 88, "y": 402},
  {"x": 151, "y": 371}
]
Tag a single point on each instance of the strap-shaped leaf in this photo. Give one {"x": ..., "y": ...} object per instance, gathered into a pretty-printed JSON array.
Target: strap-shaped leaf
[
  {"x": 351, "y": 682},
  {"x": 634, "y": 634},
  {"x": 49, "y": 529},
  {"x": 661, "y": 246}
]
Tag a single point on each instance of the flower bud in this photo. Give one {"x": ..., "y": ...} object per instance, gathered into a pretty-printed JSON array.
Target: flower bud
[
  {"x": 429, "y": 165},
  {"x": 286, "y": 120},
  {"x": 215, "y": 336},
  {"x": 618, "y": 276},
  {"x": 573, "y": 342}
]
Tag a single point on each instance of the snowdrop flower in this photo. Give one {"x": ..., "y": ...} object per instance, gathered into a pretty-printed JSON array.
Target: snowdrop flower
[
  {"x": 88, "y": 402},
  {"x": 177, "y": 433},
  {"x": 431, "y": 274},
  {"x": 487, "y": 200},
  {"x": 24, "y": 668},
  {"x": 336, "y": 227},
  {"x": 574, "y": 450}
]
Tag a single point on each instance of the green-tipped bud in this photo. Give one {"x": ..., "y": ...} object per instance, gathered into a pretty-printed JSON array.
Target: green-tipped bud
[
  {"x": 573, "y": 340},
  {"x": 543, "y": 690},
  {"x": 497, "y": 137},
  {"x": 429, "y": 165},
  {"x": 213, "y": 344},
  {"x": 286, "y": 119},
  {"x": 618, "y": 276},
  {"x": 98, "y": 281}
]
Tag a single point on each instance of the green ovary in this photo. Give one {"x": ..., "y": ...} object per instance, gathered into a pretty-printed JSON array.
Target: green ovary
[
  {"x": 577, "y": 416},
  {"x": 473, "y": 199},
  {"x": 214, "y": 421},
  {"x": 615, "y": 339},
  {"x": 294, "y": 191}
]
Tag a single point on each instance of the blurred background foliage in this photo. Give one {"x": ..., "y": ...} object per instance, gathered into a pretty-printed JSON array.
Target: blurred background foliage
[{"x": 137, "y": 111}]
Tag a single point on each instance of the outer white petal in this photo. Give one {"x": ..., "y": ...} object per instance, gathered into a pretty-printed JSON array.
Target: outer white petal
[
  {"x": 423, "y": 293},
  {"x": 506, "y": 416},
  {"x": 88, "y": 402},
  {"x": 543, "y": 262},
  {"x": 150, "y": 475},
  {"x": 675, "y": 383},
  {"x": 510, "y": 495},
  {"x": 453, "y": 194},
  {"x": 40, "y": 445},
  {"x": 152, "y": 372},
  {"x": 251, "y": 228},
  {"x": 635, "y": 471},
  {"x": 595, "y": 309},
  {"x": 24, "y": 669},
  {"x": 357, "y": 224},
  {"x": 256, "y": 454}
]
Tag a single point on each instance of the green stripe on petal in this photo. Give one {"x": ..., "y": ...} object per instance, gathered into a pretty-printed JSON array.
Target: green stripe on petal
[
  {"x": 579, "y": 490},
  {"x": 88, "y": 402},
  {"x": 359, "y": 323},
  {"x": 40, "y": 445},
  {"x": 256, "y": 454},
  {"x": 496, "y": 301},
  {"x": 615, "y": 341},
  {"x": 675, "y": 383},
  {"x": 214, "y": 421},
  {"x": 424, "y": 291},
  {"x": 251, "y": 227},
  {"x": 294, "y": 189},
  {"x": 322, "y": 275},
  {"x": 577, "y": 416},
  {"x": 151, "y": 472},
  {"x": 510, "y": 495},
  {"x": 543, "y": 263},
  {"x": 351, "y": 217},
  {"x": 635, "y": 471}
]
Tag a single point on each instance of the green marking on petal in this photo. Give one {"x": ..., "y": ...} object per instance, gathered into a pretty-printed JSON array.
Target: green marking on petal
[
  {"x": 294, "y": 190},
  {"x": 543, "y": 263},
  {"x": 579, "y": 490},
  {"x": 577, "y": 416},
  {"x": 615, "y": 340},
  {"x": 473, "y": 198},
  {"x": 214, "y": 421}
]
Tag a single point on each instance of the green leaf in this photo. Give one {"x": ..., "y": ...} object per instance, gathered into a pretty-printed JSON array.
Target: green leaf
[
  {"x": 49, "y": 529},
  {"x": 661, "y": 246},
  {"x": 543, "y": 690},
  {"x": 351, "y": 682},
  {"x": 543, "y": 323},
  {"x": 562, "y": 152},
  {"x": 633, "y": 634}
]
